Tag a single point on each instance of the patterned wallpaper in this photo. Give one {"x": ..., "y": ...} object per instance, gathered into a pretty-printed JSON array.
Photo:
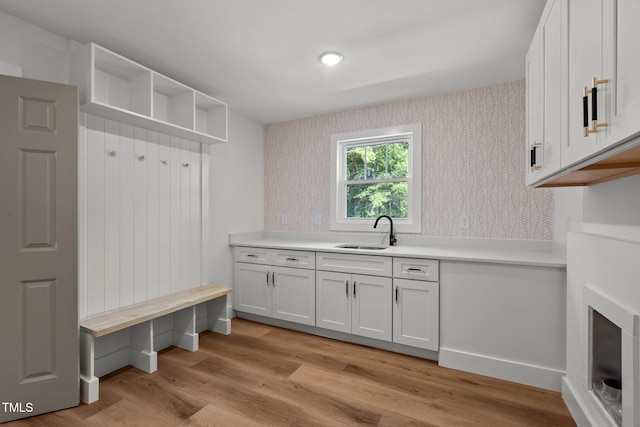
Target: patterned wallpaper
[{"x": 473, "y": 163}]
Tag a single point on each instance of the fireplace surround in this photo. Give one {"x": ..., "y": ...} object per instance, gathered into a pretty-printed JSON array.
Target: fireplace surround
[
  {"x": 602, "y": 385},
  {"x": 612, "y": 358}
]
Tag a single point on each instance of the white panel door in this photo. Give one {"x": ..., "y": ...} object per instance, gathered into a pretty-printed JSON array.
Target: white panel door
[
  {"x": 622, "y": 67},
  {"x": 585, "y": 63},
  {"x": 252, "y": 290},
  {"x": 333, "y": 301},
  {"x": 416, "y": 313},
  {"x": 372, "y": 307},
  {"x": 38, "y": 241},
  {"x": 535, "y": 108},
  {"x": 294, "y": 295}
]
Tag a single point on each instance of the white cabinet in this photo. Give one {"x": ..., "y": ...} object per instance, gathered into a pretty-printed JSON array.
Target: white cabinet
[
  {"x": 547, "y": 108},
  {"x": 354, "y": 303},
  {"x": 603, "y": 48},
  {"x": 251, "y": 288},
  {"x": 597, "y": 124},
  {"x": 416, "y": 314},
  {"x": 117, "y": 88},
  {"x": 353, "y": 294},
  {"x": 264, "y": 287},
  {"x": 585, "y": 63}
]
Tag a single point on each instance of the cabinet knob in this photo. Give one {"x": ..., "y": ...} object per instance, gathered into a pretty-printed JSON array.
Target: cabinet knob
[
  {"x": 113, "y": 153},
  {"x": 141, "y": 157}
]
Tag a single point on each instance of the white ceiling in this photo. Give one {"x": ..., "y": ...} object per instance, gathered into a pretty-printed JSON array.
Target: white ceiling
[{"x": 261, "y": 56}]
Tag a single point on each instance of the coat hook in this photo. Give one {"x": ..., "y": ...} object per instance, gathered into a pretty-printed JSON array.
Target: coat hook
[
  {"x": 113, "y": 153},
  {"x": 141, "y": 157},
  {"x": 186, "y": 165},
  {"x": 164, "y": 162}
]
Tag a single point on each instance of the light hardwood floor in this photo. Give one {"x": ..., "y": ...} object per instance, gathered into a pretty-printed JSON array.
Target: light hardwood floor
[{"x": 266, "y": 376}]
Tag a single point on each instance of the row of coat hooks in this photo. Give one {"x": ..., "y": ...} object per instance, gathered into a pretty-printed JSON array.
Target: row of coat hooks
[{"x": 141, "y": 157}]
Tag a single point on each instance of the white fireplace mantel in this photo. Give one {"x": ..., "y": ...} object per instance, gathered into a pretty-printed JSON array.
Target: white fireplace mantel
[{"x": 603, "y": 274}]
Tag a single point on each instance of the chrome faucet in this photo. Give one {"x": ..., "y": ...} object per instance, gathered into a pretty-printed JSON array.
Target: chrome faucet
[{"x": 392, "y": 235}]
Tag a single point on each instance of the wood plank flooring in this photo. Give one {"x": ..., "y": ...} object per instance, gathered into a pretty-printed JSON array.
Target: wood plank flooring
[{"x": 266, "y": 376}]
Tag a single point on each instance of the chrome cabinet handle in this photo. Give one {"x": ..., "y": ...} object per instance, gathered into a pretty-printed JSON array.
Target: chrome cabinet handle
[
  {"x": 267, "y": 278},
  {"x": 273, "y": 278},
  {"x": 292, "y": 259},
  {"x": 396, "y": 294},
  {"x": 415, "y": 269},
  {"x": 354, "y": 289},
  {"x": 252, "y": 256},
  {"x": 346, "y": 288}
]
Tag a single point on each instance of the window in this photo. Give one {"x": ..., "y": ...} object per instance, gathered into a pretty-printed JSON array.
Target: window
[{"x": 377, "y": 172}]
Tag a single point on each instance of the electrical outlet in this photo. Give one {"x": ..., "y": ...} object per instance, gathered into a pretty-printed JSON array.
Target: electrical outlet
[
  {"x": 284, "y": 219},
  {"x": 317, "y": 219},
  {"x": 464, "y": 221}
]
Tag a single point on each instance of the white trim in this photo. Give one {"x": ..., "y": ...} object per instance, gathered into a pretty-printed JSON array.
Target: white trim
[
  {"x": 509, "y": 370},
  {"x": 413, "y": 222}
]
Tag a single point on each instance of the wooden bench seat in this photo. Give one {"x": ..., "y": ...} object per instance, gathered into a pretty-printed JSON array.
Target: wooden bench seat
[{"x": 138, "y": 320}]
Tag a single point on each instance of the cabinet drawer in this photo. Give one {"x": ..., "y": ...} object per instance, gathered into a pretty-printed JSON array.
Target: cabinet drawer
[
  {"x": 298, "y": 259},
  {"x": 252, "y": 255},
  {"x": 358, "y": 264},
  {"x": 416, "y": 269}
]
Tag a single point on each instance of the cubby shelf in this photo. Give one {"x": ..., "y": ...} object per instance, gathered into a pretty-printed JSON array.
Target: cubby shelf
[{"x": 114, "y": 87}]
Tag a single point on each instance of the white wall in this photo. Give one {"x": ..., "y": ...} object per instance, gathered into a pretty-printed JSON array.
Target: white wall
[
  {"x": 612, "y": 203},
  {"x": 41, "y": 54},
  {"x": 236, "y": 190}
]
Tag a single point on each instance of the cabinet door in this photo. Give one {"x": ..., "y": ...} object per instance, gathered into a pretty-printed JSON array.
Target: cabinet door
[
  {"x": 416, "y": 313},
  {"x": 555, "y": 41},
  {"x": 547, "y": 83},
  {"x": 621, "y": 66},
  {"x": 294, "y": 295},
  {"x": 371, "y": 301},
  {"x": 251, "y": 289},
  {"x": 535, "y": 109},
  {"x": 333, "y": 301},
  {"x": 585, "y": 63}
]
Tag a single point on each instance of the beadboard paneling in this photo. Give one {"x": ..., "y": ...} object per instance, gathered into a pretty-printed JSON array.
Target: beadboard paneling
[{"x": 142, "y": 217}]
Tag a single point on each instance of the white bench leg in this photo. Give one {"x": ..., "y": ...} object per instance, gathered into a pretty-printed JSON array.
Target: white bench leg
[
  {"x": 218, "y": 319},
  {"x": 89, "y": 383},
  {"x": 184, "y": 329},
  {"x": 141, "y": 353}
]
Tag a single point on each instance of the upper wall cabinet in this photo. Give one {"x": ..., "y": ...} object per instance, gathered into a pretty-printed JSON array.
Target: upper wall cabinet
[
  {"x": 547, "y": 87},
  {"x": 602, "y": 138},
  {"x": 117, "y": 88}
]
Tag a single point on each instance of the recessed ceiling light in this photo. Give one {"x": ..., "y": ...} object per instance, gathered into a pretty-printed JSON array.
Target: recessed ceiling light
[{"x": 331, "y": 58}]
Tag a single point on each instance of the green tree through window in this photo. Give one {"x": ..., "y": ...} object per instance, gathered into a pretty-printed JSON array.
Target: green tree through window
[{"x": 376, "y": 179}]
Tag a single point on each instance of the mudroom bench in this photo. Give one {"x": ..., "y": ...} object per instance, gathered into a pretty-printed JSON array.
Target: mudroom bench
[{"x": 125, "y": 336}]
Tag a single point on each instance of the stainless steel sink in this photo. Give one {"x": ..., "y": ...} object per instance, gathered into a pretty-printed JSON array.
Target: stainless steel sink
[{"x": 362, "y": 247}]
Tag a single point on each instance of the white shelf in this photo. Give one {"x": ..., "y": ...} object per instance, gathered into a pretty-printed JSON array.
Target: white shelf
[{"x": 117, "y": 88}]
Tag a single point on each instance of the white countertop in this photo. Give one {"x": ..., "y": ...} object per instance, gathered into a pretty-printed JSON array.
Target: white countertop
[{"x": 508, "y": 255}]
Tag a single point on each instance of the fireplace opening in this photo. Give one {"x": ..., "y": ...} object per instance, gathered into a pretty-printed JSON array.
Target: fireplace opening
[{"x": 606, "y": 364}]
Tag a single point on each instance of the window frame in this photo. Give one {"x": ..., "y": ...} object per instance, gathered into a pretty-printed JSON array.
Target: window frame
[{"x": 339, "y": 142}]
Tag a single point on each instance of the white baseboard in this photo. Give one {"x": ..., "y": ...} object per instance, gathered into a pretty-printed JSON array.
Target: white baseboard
[{"x": 509, "y": 370}]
